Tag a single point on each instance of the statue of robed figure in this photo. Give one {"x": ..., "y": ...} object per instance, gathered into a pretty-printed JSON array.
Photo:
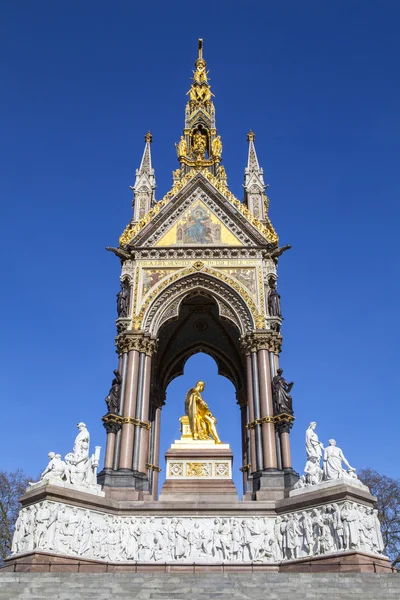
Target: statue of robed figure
[
  {"x": 113, "y": 399},
  {"x": 123, "y": 297},
  {"x": 281, "y": 393},
  {"x": 201, "y": 420}
]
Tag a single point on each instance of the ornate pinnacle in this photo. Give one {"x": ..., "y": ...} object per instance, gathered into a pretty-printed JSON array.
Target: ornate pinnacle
[
  {"x": 251, "y": 136},
  {"x": 148, "y": 137}
]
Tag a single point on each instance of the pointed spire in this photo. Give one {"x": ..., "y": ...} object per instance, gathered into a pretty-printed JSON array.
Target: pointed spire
[
  {"x": 254, "y": 185},
  {"x": 145, "y": 183},
  {"x": 253, "y": 165},
  {"x": 145, "y": 165}
]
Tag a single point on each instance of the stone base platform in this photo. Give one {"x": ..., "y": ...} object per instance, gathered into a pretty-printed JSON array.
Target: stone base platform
[
  {"x": 63, "y": 528},
  {"x": 346, "y": 562}
]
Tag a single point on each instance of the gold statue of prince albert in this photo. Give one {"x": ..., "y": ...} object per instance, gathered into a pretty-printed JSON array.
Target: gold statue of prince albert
[{"x": 201, "y": 420}]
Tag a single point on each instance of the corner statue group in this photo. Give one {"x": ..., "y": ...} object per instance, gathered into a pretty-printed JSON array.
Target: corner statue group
[{"x": 201, "y": 420}]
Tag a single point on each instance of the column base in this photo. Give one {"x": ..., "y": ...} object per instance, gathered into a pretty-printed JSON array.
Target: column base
[
  {"x": 291, "y": 478},
  {"x": 124, "y": 483},
  {"x": 270, "y": 484}
]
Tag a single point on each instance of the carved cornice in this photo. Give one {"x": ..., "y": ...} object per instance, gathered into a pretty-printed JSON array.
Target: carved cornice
[
  {"x": 198, "y": 253},
  {"x": 130, "y": 340},
  {"x": 263, "y": 340}
]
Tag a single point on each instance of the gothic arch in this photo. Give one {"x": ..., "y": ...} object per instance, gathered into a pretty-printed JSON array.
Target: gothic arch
[{"x": 166, "y": 305}]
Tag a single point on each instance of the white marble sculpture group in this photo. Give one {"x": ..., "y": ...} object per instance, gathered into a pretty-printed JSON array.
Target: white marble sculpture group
[
  {"x": 78, "y": 469},
  {"x": 65, "y": 529},
  {"x": 333, "y": 458}
]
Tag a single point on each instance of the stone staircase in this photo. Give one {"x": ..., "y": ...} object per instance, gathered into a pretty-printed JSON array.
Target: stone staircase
[{"x": 201, "y": 586}]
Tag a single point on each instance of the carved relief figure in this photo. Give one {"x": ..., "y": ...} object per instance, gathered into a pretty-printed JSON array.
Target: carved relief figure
[
  {"x": 202, "y": 422},
  {"x": 92, "y": 534},
  {"x": 280, "y": 391}
]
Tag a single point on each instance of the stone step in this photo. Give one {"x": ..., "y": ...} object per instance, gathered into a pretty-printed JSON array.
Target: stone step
[{"x": 202, "y": 586}]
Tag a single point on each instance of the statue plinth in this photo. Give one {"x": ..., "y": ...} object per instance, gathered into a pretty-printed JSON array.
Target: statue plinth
[{"x": 198, "y": 470}]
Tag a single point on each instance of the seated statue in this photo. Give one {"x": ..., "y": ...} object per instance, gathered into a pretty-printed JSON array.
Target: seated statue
[
  {"x": 333, "y": 458},
  {"x": 202, "y": 422}
]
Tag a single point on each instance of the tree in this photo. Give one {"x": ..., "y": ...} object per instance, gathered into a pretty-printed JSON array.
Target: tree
[
  {"x": 387, "y": 491},
  {"x": 12, "y": 486}
]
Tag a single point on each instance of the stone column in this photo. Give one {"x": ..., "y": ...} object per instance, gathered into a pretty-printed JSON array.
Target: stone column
[
  {"x": 257, "y": 409},
  {"x": 143, "y": 455},
  {"x": 285, "y": 446},
  {"x": 112, "y": 429},
  {"x": 242, "y": 401},
  {"x": 129, "y": 342},
  {"x": 155, "y": 458},
  {"x": 267, "y": 411},
  {"x": 138, "y": 413},
  {"x": 250, "y": 415}
]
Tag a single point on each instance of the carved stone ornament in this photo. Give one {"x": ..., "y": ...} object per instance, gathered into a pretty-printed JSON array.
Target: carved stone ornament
[
  {"x": 82, "y": 533},
  {"x": 128, "y": 340},
  {"x": 192, "y": 254},
  {"x": 266, "y": 340}
]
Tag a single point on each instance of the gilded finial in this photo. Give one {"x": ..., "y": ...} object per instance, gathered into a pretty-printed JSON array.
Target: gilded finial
[
  {"x": 251, "y": 136},
  {"x": 148, "y": 137},
  {"x": 200, "y": 49}
]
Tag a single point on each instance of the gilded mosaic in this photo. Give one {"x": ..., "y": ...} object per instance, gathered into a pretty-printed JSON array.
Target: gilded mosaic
[
  {"x": 199, "y": 226},
  {"x": 247, "y": 277},
  {"x": 150, "y": 278}
]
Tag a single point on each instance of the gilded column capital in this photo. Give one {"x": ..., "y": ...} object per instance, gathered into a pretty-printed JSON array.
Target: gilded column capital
[
  {"x": 284, "y": 422},
  {"x": 112, "y": 423},
  {"x": 263, "y": 340},
  {"x": 131, "y": 340}
]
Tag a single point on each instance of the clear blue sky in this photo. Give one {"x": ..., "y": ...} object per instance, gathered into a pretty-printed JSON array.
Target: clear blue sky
[{"x": 81, "y": 84}]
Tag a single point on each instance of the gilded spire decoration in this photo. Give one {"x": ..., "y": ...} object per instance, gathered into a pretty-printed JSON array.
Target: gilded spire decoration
[
  {"x": 145, "y": 183},
  {"x": 199, "y": 147}
]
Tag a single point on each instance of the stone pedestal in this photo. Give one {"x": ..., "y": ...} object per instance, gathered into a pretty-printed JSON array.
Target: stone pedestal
[{"x": 198, "y": 470}]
